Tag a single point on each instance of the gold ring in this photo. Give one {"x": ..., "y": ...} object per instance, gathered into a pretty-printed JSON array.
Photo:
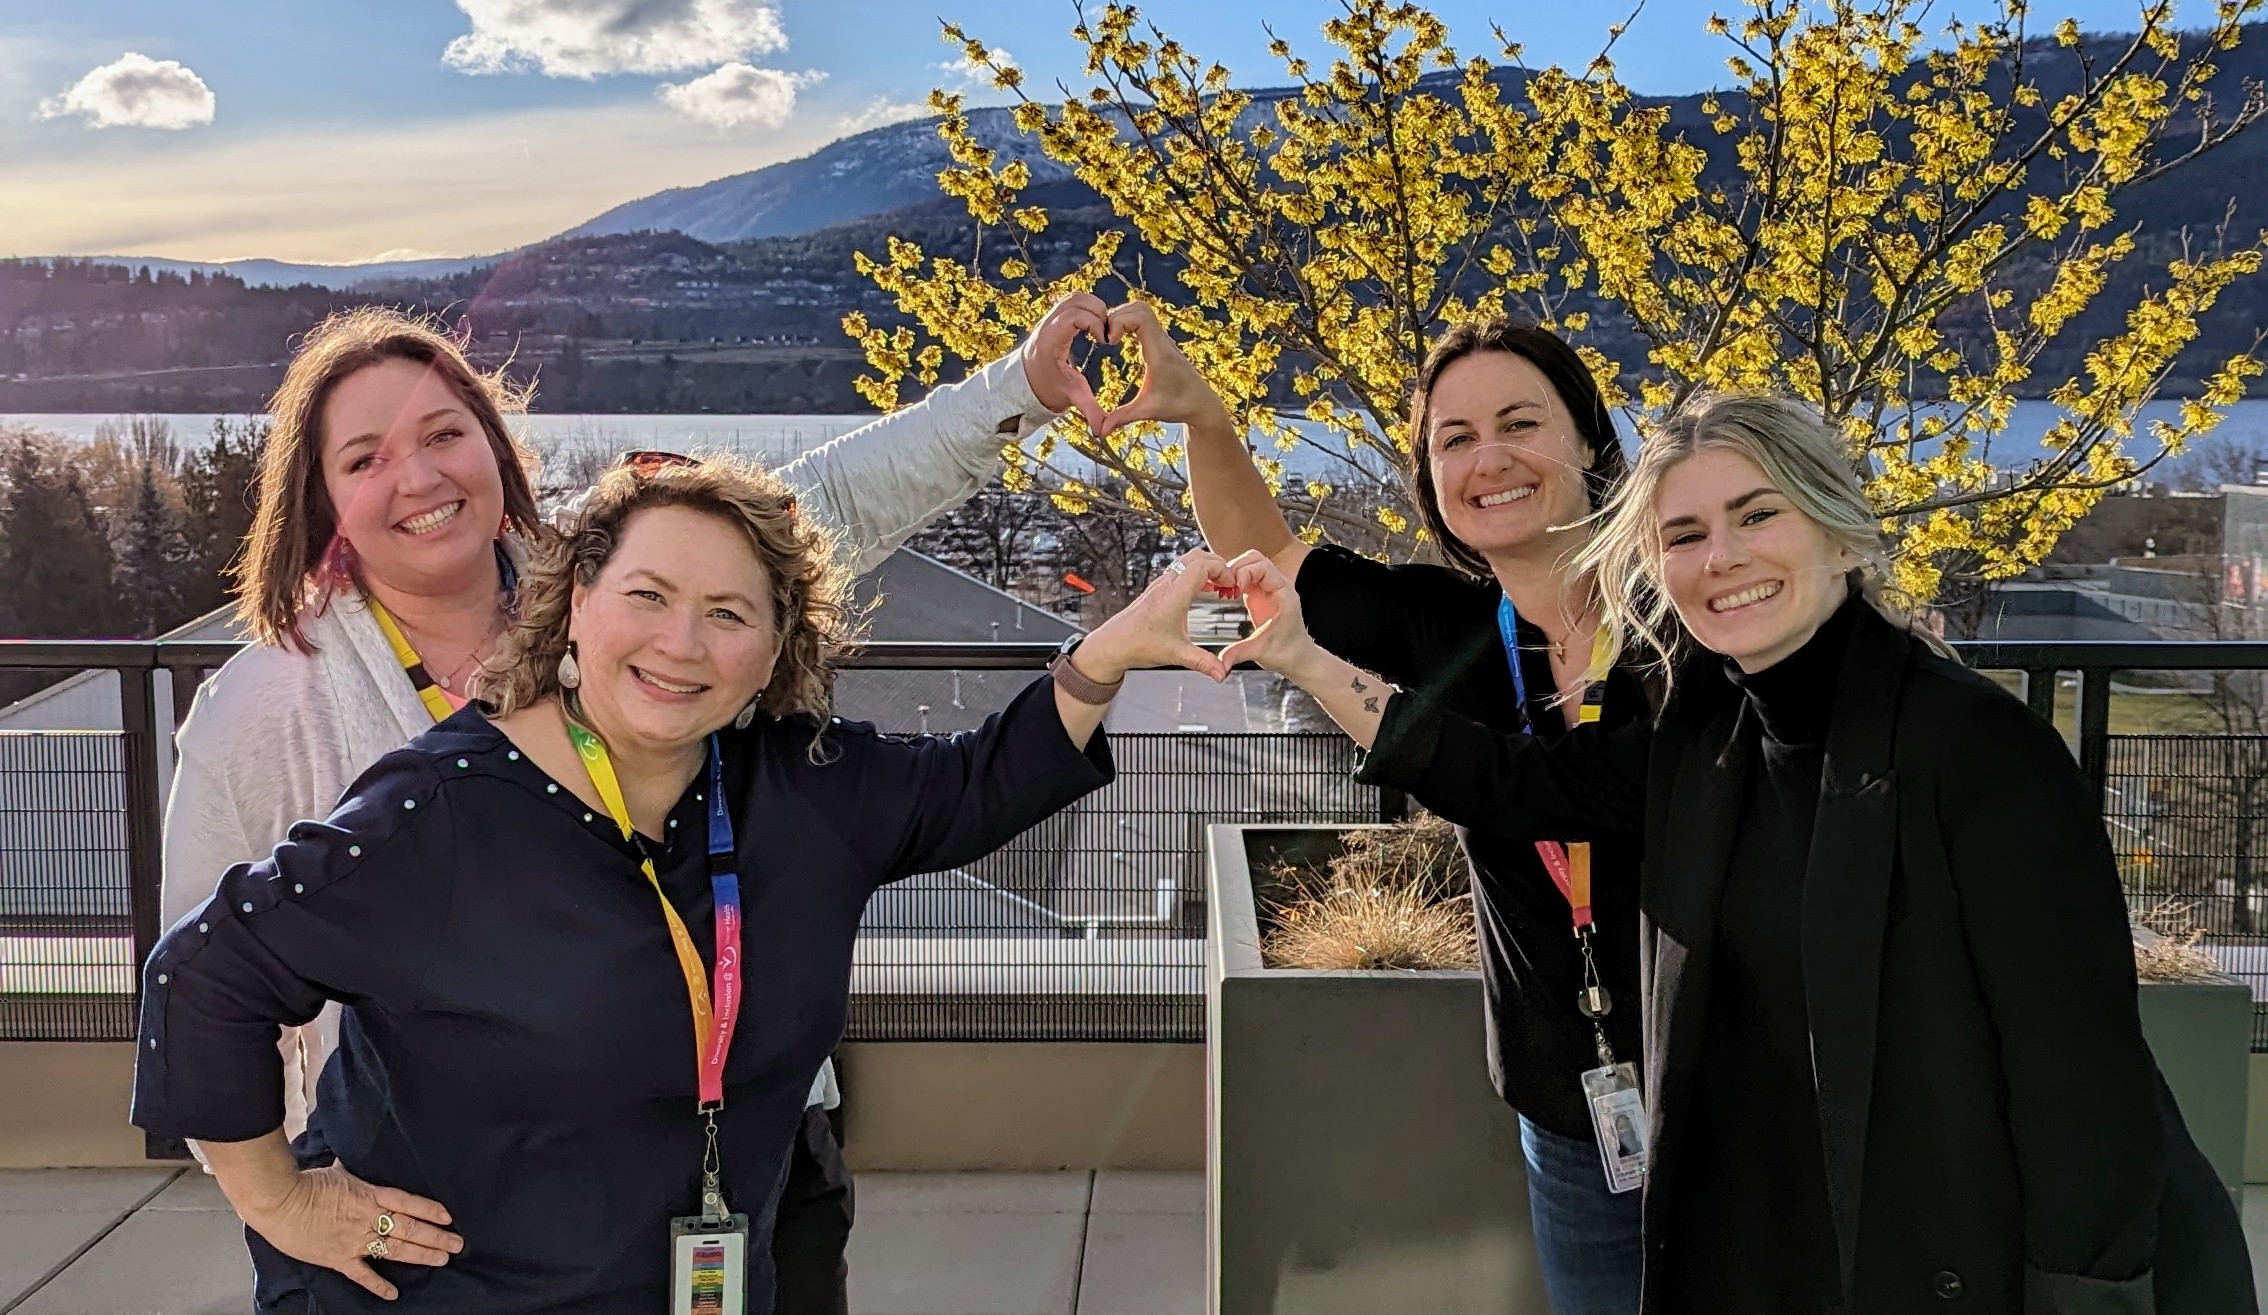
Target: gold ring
[
  {"x": 377, "y": 1248},
  {"x": 385, "y": 1226}
]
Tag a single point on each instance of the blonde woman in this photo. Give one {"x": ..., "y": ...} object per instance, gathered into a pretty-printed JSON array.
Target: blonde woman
[
  {"x": 395, "y": 513},
  {"x": 655, "y": 823},
  {"x": 1893, "y": 1054}
]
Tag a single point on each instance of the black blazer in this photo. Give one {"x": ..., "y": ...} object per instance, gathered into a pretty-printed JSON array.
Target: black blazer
[{"x": 1996, "y": 1134}]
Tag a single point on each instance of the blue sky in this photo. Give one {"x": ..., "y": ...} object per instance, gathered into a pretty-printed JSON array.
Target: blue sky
[{"x": 342, "y": 130}]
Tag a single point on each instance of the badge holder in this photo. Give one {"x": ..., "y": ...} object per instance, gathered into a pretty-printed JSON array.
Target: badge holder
[
  {"x": 1618, "y": 1107},
  {"x": 708, "y": 1264}
]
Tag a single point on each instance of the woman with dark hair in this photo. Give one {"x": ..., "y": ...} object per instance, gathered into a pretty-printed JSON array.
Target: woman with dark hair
[
  {"x": 396, "y": 513},
  {"x": 1511, "y": 450},
  {"x": 1894, "y": 1059}
]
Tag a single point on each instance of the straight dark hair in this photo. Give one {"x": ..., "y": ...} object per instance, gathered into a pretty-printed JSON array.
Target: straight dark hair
[{"x": 1568, "y": 376}]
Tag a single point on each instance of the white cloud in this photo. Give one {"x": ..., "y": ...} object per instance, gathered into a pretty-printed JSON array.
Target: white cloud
[
  {"x": 881, "y": 111},
  {"x": 587, "y": 38},
  {"x": 739, "y": 93},
  {"x": 974, "y": 73},
  {"x": 135, "y": 91}
]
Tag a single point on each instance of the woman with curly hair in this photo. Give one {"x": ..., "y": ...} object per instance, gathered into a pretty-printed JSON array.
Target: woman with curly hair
[
  {"x": 396, "y": 513},
  {"x": 651, "y": 827}
]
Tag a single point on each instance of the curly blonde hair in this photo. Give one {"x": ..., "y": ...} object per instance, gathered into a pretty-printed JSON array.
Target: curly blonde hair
[{"x": 810, "y": 589}]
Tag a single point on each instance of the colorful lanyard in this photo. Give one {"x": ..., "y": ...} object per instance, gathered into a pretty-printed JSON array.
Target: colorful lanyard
[
  {"x": 712, "y": 1024},
  {"x": 1569, "y": 864},
  {"x": 428, "y": 691},
  {"x": 1594, "y": 693}
]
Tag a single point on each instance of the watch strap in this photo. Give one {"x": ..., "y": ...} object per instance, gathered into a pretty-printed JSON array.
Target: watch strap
[{"x": 1078, "y": 684}]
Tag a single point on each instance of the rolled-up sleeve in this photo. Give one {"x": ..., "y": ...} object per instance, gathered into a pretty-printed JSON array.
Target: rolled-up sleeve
[
  {"x": 347, "y": 909},
  {"x": 932, "y": 802}
]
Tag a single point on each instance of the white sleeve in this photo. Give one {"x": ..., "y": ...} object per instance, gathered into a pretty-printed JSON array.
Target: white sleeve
[
  {"x": 881, "y": 483},
  {"x": 203, "y": 837}
]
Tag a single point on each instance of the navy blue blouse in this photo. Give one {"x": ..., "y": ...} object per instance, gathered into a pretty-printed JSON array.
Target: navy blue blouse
[{"x": 517, "y": 1041}]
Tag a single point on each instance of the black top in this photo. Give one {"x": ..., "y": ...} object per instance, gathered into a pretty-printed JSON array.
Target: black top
[
  {"x": 1433, "y": 631},
  {"x": 1749, "y": 1221},
  {"x": 517, "y": 1042},
  {"x": 1996, "y": 1135}
]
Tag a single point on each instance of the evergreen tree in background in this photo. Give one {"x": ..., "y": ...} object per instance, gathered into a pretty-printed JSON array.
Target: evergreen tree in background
[
  {"x": 219, "y": 487},
  {"x": 55, "y": 557},
  {"x": 154, "y": 564}
]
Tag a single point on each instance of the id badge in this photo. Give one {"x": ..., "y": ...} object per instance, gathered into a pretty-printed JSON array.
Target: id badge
[
  {"x": 708, "y": 1265},
  {"x": 1618, "y": 1116}
]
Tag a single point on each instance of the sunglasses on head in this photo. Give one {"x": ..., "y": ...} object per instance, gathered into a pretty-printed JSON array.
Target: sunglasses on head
[{"x": 646, "y": 462}]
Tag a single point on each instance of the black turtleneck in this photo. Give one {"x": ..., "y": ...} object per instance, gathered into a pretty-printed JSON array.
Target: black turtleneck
[{"x": 1750, "y": 1224}]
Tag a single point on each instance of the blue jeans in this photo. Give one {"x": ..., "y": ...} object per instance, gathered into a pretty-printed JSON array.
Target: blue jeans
[{"x": 1588, "y": 1237}]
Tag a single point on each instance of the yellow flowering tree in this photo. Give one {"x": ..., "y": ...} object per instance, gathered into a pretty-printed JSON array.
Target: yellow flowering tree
[{"x": 1894, "y": 224}]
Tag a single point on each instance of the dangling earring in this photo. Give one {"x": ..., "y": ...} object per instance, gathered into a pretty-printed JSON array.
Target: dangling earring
[
  {"x": 747, "y": 715},
  {"x": 570, "y": 675}
]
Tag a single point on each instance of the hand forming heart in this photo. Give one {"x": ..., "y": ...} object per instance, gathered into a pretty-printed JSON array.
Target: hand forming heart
[
  {"x": 1171, "y": 389},
  {"x": 1056, "y": 380}
]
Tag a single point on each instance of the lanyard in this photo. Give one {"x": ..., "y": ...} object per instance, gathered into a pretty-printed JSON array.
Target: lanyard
[
  {"x": 713, "y": 1023},
  {"x": 1594, "y": 693},
  {"x": 1569, "y": 864},
  {"x": 429, "y": 693}
]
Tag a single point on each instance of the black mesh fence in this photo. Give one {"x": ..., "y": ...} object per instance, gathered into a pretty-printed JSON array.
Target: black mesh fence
[
  {"x": 1091, "y": 925},
  {"x": 2188, "y": 818},
  {"x": 66, "y": 939}
]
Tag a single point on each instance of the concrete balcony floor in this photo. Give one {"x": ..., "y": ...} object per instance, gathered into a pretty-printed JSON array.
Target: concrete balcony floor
[{"x": 161, "y": 1241}]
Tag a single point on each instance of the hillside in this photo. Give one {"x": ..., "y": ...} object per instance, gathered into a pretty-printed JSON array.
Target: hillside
[{"x": 730, "y": 295}]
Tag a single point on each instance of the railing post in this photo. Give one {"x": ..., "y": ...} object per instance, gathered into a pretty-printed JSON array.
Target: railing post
[
  {"x": 185, "y": 683},
  {"x": 2039, "y": 692},
  {"x": 145, "y": 820},
  {"x": 2094, "y": 728}
]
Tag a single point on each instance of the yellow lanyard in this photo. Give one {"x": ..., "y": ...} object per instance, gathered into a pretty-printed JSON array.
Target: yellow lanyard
[
  {"x": 428, "y": 693},
  {"x": 592, "y": 750}
]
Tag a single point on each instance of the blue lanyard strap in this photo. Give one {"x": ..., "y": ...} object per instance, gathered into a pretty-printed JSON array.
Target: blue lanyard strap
[
  {"x": 1508, "y": 626},
  {"x": 721, "y": 846}
]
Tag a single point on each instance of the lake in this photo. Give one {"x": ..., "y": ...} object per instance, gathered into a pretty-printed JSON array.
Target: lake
[{"x": 583, "y": 442}]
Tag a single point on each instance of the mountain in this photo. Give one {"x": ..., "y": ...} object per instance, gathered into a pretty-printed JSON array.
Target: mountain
[
  {"x": 878, "y": 171},
  {"x": 283, "y": 274}
]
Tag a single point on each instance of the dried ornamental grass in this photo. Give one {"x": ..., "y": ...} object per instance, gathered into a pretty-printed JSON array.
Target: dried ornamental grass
[
  {"x": 1393, "y": 899},
  {"x": 2167, "y": 948}
]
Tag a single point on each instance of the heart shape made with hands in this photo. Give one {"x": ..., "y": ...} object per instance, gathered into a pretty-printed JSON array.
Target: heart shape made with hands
[{"x": 1169, "y": 389}]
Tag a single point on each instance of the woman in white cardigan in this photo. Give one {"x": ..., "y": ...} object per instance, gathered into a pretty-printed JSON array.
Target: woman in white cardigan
[{"x": 378, "y": 576}]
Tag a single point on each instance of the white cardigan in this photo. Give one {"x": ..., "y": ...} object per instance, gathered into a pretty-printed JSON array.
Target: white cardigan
[{"x": 276, "y": 735}]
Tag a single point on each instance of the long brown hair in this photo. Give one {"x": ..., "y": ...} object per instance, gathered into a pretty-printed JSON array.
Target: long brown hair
[
  {"x": 1568, "y": 376},
  {"x": 295, "y": 522},
  {"x": 810, "y": 589}
]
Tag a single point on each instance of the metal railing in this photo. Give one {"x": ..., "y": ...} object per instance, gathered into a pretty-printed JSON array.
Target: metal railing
[{"x": 1089, "y": 926}]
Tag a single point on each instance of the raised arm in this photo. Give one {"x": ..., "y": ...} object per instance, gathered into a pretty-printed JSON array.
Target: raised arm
[
  {"x": 1591, "y": 784},
  {"x": 882, "y": 483},
  {"x": 1235, "y": 510}
]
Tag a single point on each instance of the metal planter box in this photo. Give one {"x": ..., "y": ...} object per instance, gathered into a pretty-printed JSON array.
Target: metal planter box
[
  {"x": 2201, "y": 1033},
  {"x": 1357, "y": 1159}
]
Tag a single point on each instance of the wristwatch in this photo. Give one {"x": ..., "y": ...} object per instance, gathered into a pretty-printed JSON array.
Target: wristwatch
[{"x": 1076, "y": 683}]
